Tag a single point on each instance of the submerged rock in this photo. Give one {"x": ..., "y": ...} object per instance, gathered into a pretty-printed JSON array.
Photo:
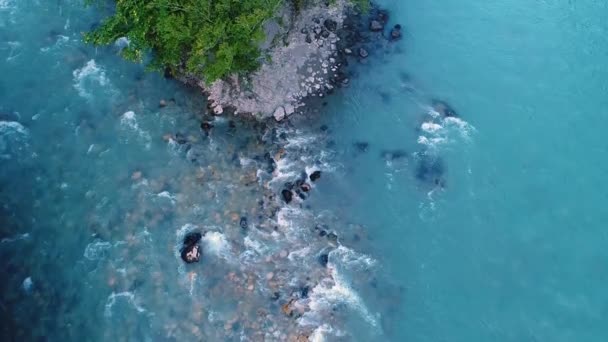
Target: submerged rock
[
  {"x": 362, "y": 146},
  {"x": 430, "y": 169},
  {"x": 395, "y": 32},
  {"x": 191, "y": 250},
  {"x": 376, "y": 26},
  {"x": 394, "y": 154},
  {"x": 206, "y": 127},
  {"x": 443, "y": 108},
  {"x": 315, "y": 175},
  {"x": 363, "y": 53}
]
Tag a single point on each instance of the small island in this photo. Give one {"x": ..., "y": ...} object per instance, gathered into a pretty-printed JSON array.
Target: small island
[{"x": 261, "y": 58}]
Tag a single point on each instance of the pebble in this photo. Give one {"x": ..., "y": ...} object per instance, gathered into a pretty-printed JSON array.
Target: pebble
[
  {"x": 162, "y": 103},
  {"x": 283, "y": 254},
  {"x": 269, "y": 276},
  {"x": 250, "y": 287},
  {"x": 315, "y": 175}
]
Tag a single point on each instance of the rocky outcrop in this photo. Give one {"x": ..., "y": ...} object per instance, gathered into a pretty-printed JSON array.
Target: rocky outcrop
[
  {"x": 301, "y": 62},
  {"x": 305, "y": 56}
]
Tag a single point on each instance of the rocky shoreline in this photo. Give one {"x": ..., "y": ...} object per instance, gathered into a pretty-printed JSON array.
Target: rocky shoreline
[{"x": 308, "y": 54}]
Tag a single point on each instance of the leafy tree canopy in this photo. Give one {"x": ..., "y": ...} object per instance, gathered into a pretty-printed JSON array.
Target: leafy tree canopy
[{"x": 209, "y": 38}]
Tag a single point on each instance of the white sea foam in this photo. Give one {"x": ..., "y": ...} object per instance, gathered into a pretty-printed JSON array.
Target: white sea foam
[
  {"x": 440, "y": 131},
  {"x": 27, "y": 285},
  {"x": 350, "y": 258},
  {"x": 6, "y": 4},
  {"x": 331, "y": 292},
  {"x": 13, "y": 139},
  {"x": 16, "y": 238},
  {"x": 127, "y": 295},
  {"x": 215, "y": 243},
  {"x": 318, "y": 335},
  {"x": 167, "y": 195},
  {"x": 15, "y": 50},
  {"x": 129, "y": 121},
  {"x": 60, "y": 42},
  {"x": 89, "y": 75},
  {"x": 96, "y": 250}
]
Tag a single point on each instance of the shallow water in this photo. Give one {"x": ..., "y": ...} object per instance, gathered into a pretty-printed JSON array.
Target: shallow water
[{"x": 99, "y": 185}]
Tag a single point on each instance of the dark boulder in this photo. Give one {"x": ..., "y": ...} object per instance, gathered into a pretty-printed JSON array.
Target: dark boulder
[
  {"x": 330, "y": 25},
  {"x": 304, "y": 291},
  {"x": 191, "y": 250},
  {"x": 323, "y": 260},
  {"x": 305, "y": 187},
  {"x": 243, "y": 223},
  {"x": 287, "y": 195},
  {"x": 315, "y": 176},
  {"x": 206, "y": 127}
]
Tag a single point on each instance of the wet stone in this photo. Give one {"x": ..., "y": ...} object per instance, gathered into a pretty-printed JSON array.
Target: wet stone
[
  {"x": 191, "y": 251},
  {"x": 315, "y": 175},
  {"x": 206, "y": 127},
  {"x": 287, "y": 195},
  {"x": 180, "y": 138},
  {"x": 243, "y": 223},
  {"x": 325, "y": 34},
  {"x": 323, "y": 260},
  {"x": 162, "y": 103},
  {"x": 304, "y": 291}
]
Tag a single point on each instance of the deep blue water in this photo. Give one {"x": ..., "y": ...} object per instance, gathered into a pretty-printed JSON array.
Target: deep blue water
[{"x": 97, "y": 190}]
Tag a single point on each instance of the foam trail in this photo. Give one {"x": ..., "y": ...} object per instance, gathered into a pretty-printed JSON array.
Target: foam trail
[
  {"x": 129, "y": 296},
  {"x": 88, "y": 75}
]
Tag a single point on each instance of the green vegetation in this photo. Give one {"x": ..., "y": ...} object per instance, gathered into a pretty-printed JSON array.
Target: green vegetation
[{"x": 210, "y": 39}]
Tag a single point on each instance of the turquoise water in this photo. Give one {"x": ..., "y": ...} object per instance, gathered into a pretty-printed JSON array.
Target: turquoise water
[{"x": 97, "y": 191}]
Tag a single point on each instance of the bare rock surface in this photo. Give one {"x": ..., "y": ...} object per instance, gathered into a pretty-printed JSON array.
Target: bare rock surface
[{"x": 301, "y": 63}]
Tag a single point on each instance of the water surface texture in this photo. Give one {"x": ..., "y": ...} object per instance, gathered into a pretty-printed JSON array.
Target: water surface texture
[{"x": 485, "y": 225}]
